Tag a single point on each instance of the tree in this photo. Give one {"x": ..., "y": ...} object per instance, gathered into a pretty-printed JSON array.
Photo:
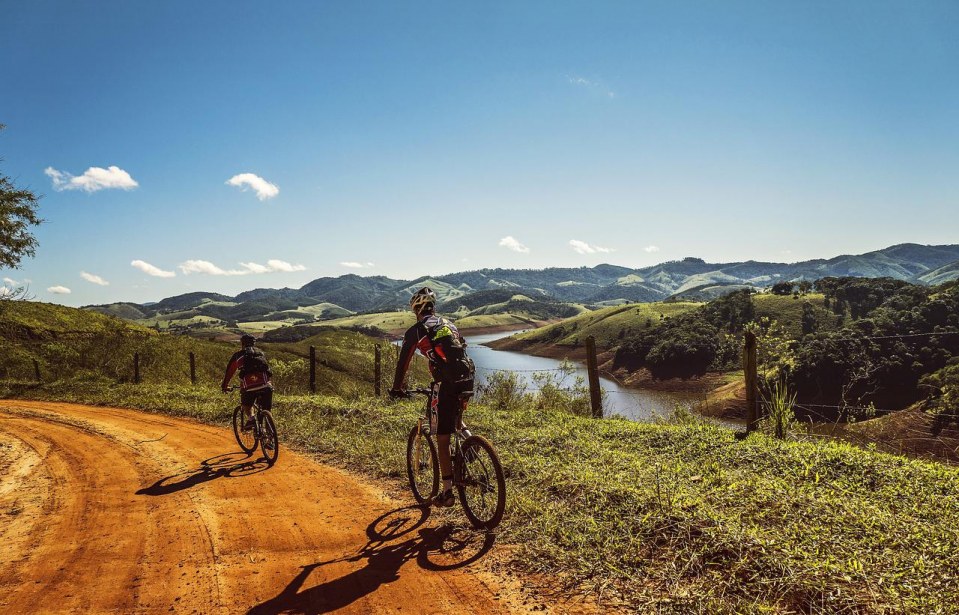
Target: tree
[
  {"x": 18, "y": 212},
  {"x": 783, "y": 288}
]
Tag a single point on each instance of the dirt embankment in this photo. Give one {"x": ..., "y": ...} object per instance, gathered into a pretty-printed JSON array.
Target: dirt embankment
[{"x": 108, "y": 510}]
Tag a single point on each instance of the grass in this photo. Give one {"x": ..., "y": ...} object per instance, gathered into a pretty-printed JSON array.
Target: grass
[
  {"x": 674, "y": 517},
  {"x": 787, "y": 311},
  {"x": 608, "y": 325},
  {"x": 72, "y": 343},
  {"x": 387, "y": 321}
]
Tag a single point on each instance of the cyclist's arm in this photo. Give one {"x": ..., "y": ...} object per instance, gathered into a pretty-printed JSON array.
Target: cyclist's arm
[
  {"x": 406, "y": 355},
  {"x": 230, "y": 370}
]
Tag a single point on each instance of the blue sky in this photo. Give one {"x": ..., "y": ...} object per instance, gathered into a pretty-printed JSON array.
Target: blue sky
[{"x": 414, "y": 138}]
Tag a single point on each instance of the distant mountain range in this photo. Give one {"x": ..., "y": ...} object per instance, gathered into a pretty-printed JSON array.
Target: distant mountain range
[{"x": 329, "y": 297}]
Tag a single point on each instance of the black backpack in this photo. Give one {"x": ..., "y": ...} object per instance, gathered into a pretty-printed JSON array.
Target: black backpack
[
  {"x": 447, "y": 341},
  {"x": 254, "y": 361}
]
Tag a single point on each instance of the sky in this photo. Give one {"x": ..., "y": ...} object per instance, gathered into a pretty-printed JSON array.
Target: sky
[{"x": 224, "y": 146}]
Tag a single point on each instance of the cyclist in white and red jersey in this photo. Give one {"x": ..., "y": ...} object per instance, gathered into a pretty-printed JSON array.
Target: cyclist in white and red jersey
[
  {"x": 256, "y": 384},
  {"x": 440, "y": 342}
]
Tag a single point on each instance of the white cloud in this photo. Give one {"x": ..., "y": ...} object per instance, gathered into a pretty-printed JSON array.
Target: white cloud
[
  {"x": 510, "y": 242},
  {"x": 255, "y": 268},
  {"x": 356, "y": 265},
  {"x": 10, "y": 281},
  {"x": 278, "y": 265},
  {"x": 149, "y": 269},
  {"x": 92, "y": 180},
  {"x": 59, "y": 290},
  {"x": 591, "y": 84},
  {"x": 272, "y": 265},
  {"x": 264, "y": 189},
  {"x": 199, "y": 266},
  {"x": 584, "y": 248},
  {"x": 651, "y": 249},
  {"x": 93, "y": 279}
]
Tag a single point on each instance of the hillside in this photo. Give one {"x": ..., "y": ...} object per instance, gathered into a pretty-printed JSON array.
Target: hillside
[
  {"x": 70, "y": 343},
  {"x": 689, "y": 279}
]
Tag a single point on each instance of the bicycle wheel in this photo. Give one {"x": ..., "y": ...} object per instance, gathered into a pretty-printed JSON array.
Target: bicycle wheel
[
  {"x": 269, "y": 441},
  {"x": 482, "y": 488},
  {"x": 422, "y": 466},
  {"x": 246, "y": 439}
]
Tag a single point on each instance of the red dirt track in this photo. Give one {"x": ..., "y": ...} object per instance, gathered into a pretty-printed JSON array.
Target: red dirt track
[{"x": 108, "y": 510}]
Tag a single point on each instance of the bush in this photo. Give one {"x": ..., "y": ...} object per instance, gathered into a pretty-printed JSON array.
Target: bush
[{"x": 502, "y": 390}]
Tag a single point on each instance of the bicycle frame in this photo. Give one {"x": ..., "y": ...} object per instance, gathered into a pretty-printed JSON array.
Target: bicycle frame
[{"x": 456, "y": 438}]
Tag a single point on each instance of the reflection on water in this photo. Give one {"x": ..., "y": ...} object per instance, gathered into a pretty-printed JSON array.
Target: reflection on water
[{"x": 632, "y": 403}]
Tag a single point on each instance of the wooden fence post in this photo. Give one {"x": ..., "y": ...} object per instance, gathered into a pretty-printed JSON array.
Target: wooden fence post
[
  {"x": 36, "y": 369},
  {"x": 313, "y": 369},
  {"x": 595, "y": 394},
  {"x": 193, "y": 368},
  {"x": 749, "y": 369},
  {"x": 376, "y": 370},
  {"x": 136, "y": 368}
]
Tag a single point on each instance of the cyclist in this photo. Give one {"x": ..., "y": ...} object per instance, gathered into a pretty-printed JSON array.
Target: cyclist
[
  {"x": 440, "y": 342},
  {"x": 256, "y": 383}
]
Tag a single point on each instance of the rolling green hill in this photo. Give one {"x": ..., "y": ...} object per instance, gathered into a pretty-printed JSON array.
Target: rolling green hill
[
  {"x": 69, "y": 343},
  {"x": 608, "y": 325},
  {"x": 689, "y": 279}
]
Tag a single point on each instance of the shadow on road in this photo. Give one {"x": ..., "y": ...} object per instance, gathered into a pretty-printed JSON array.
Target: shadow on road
[
  {"x": 442, "y": 548},
  {"x": 229, "y": 465}
]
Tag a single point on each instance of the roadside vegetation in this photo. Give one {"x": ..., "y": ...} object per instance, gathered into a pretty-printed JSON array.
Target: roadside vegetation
[
  {"x": 677, "y": 517},
  {"x": 79, "y": 345}
]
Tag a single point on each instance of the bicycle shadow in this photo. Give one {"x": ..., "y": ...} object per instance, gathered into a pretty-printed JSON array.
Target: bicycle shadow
[
  {"x": 441, "y": 548},
  {"x": 227, "y": 465}
]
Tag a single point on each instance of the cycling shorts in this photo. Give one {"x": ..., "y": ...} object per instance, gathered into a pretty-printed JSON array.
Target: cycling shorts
[
  {"x": 450, "y": 406},
  {"x": 262, "y": 397}
]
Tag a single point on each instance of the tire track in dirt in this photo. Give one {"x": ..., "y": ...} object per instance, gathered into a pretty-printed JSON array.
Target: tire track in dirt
[{"x": 120, "y": 511}]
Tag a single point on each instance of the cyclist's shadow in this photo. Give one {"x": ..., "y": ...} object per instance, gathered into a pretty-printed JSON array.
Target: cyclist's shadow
[
  {"x": 442, "y": 548},
  {"x": 229, "y": 465}
]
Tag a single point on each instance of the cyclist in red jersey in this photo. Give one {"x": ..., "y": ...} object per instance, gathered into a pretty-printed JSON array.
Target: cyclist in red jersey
[
  {"x": 440, "y": 342},
  {"x": 256, "y": 383}
]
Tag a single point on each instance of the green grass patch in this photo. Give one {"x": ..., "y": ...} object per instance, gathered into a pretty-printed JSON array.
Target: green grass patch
[
  {"x": 675, "y": 518},
  {"x": 610, "y": 326}
]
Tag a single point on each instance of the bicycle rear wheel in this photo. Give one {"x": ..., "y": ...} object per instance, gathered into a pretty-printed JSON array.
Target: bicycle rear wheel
[
  {"x": 269, "y": 440},
  {"x": 246, "y": 439},
  {"x": 422, "y": 466},
  {"x": 482, "y": 488}
]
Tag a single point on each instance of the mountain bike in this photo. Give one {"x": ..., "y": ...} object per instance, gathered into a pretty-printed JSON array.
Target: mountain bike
[
  {"x": 477, "y": 473},
  {"x": 262, "y": 432}
]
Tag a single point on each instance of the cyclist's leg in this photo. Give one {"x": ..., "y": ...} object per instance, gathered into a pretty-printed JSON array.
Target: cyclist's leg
[
  {"x": 246, "y": 402},
  {"x": 462, "y": 401},
  {"x": 447, "y": 415},
  {"x": 264, "y": 399}
]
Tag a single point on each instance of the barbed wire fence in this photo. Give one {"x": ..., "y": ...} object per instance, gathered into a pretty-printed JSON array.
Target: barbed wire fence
[
  {"x": 906, "y": 430},
  {"x": 129, "y": 356}
]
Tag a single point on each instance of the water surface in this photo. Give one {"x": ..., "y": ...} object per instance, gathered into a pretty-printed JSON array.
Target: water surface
[{"x": 635, "y": 404}]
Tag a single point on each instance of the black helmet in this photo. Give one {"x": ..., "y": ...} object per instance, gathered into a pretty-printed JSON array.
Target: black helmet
[
  {"x": 421, "y": 299},
  {"x": 247, "y": 340}
]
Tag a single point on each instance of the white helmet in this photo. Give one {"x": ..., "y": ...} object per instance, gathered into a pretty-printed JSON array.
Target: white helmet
[{"x": 422, "y": 298}]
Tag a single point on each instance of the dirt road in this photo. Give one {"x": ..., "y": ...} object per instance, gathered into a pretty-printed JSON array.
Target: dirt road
[{"x": 108, "y": 510}]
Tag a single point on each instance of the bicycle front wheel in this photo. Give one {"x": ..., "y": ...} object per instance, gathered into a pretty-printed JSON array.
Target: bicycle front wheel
[
  {"x": 269, "y": 441},
  {"x": 246, "y": 439},
  {"x": 422, "y": 466},
  {"x": 482, "y": 488}
]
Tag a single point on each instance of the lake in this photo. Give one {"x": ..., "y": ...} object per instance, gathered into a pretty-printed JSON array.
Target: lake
[{"x": 635, "y": 404}]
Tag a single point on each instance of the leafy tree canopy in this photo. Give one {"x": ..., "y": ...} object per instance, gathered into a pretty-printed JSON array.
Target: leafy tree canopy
[{"x": 18, "y": 212}]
